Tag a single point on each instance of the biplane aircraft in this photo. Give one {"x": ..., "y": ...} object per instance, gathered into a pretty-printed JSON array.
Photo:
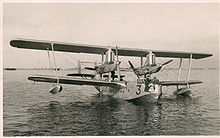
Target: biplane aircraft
[{"x": 107, "y": 78}]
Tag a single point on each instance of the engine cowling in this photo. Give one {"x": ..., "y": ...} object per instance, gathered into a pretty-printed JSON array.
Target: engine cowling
[
  {"x": 150, "y": 59},
  {"x": 109, "y": 57}
]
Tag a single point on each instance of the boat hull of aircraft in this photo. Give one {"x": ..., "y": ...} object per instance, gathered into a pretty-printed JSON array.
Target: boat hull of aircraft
[{"x": 131, "y": 91}]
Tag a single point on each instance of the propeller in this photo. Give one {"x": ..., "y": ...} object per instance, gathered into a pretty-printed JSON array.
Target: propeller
[
  {"x": 131, "y": 64},
  {"x": 132, "y": 67},
  {"x": 167, "y": 62},
  {"x": 160, "y": 66},
  {"x": 149, "y": 70},
  {"x": 89, "y": 68}
]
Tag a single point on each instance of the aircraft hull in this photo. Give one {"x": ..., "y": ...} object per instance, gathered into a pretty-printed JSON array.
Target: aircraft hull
[{"x": 132, "y": 91}]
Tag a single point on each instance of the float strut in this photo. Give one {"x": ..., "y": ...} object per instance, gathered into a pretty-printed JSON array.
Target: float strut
[{"x": 55, "y": 62}]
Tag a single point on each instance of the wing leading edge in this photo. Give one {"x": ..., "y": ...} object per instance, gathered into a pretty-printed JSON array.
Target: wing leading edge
[
  {"x": 75, "y": 81},
  {"x": 95, "y": 49}
]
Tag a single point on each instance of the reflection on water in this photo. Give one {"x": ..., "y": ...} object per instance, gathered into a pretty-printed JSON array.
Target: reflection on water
[
  {"x": 32, "y": 111},
  {"x": 97, "y": 117},
  {"x": 101, "y": 116}
]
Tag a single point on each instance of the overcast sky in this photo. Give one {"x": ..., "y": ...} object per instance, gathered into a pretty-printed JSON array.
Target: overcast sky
[{"x": 161, "y": 26}]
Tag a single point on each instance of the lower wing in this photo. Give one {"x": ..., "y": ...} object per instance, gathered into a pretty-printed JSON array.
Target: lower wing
[
  {"x": 75, "y": 81},
  {"x": 81, "y": 75},
  {"x": 175, "y": 83}
]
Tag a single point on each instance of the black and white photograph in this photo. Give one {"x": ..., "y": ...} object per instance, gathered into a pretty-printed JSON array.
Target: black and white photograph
[{"x": 110, "y": 68}]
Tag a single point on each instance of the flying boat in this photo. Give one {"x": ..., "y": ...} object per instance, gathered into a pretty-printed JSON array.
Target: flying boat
[{"x": 107, "y": 78}]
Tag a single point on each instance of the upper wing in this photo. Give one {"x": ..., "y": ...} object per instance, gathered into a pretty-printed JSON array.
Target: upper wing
[
  {"x": 95, "y": 49},
  {"x": 174, "y": 83},
  {"x": 58, "y": 46},
  {"x": 76, "y": 81}
]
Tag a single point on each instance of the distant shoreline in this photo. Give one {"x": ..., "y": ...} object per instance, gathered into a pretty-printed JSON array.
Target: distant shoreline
[
  {"x": 122, "y": 69},
  {"x": 39, "y": 69}
]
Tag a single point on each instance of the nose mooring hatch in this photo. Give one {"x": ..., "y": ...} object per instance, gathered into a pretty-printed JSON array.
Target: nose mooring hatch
[
  {"x": 109, "y": 56},
  {"x": 150, "y": 59}
]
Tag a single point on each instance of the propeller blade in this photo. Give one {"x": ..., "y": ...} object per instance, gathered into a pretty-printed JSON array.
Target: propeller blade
[
  {"x": 89, "y": 68},
  {"x": 131, "y": 64},
  {"x": 167, "y": 62},
  {"x": 158, "y": 68},
  {"x": 133, "y": 68}
]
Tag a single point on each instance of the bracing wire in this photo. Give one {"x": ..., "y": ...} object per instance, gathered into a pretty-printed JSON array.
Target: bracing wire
[
  {"x": 71, "y": 56},
  {"x": 74, "y": 58},
  {"x": 171, "y": 68},
  {"x": 67, "y": 60}
]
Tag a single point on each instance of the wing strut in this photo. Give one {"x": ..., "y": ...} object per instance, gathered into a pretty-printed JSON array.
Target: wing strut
[
  {"x": 118, "y": 67},
  {"x": 180, "y": 69},
  {"x": 55, "y": 62},
  {"x": 141, "y": 61},
  {"x": 79, "y": 67},
  {"x": 48, "y": 54},
  {"x": 58, "y": 87},
  {"x": 190, "y": 66},
  {"x": 102, "y": 58}
]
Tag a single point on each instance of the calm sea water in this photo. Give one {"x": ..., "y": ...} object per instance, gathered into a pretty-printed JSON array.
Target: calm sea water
[{"x": 29, "y": 110}]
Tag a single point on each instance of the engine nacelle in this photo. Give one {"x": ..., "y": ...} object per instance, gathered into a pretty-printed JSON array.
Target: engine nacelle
[
  {"x": 109, "y": 57},
  {"x": 150, "y": 59}
]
